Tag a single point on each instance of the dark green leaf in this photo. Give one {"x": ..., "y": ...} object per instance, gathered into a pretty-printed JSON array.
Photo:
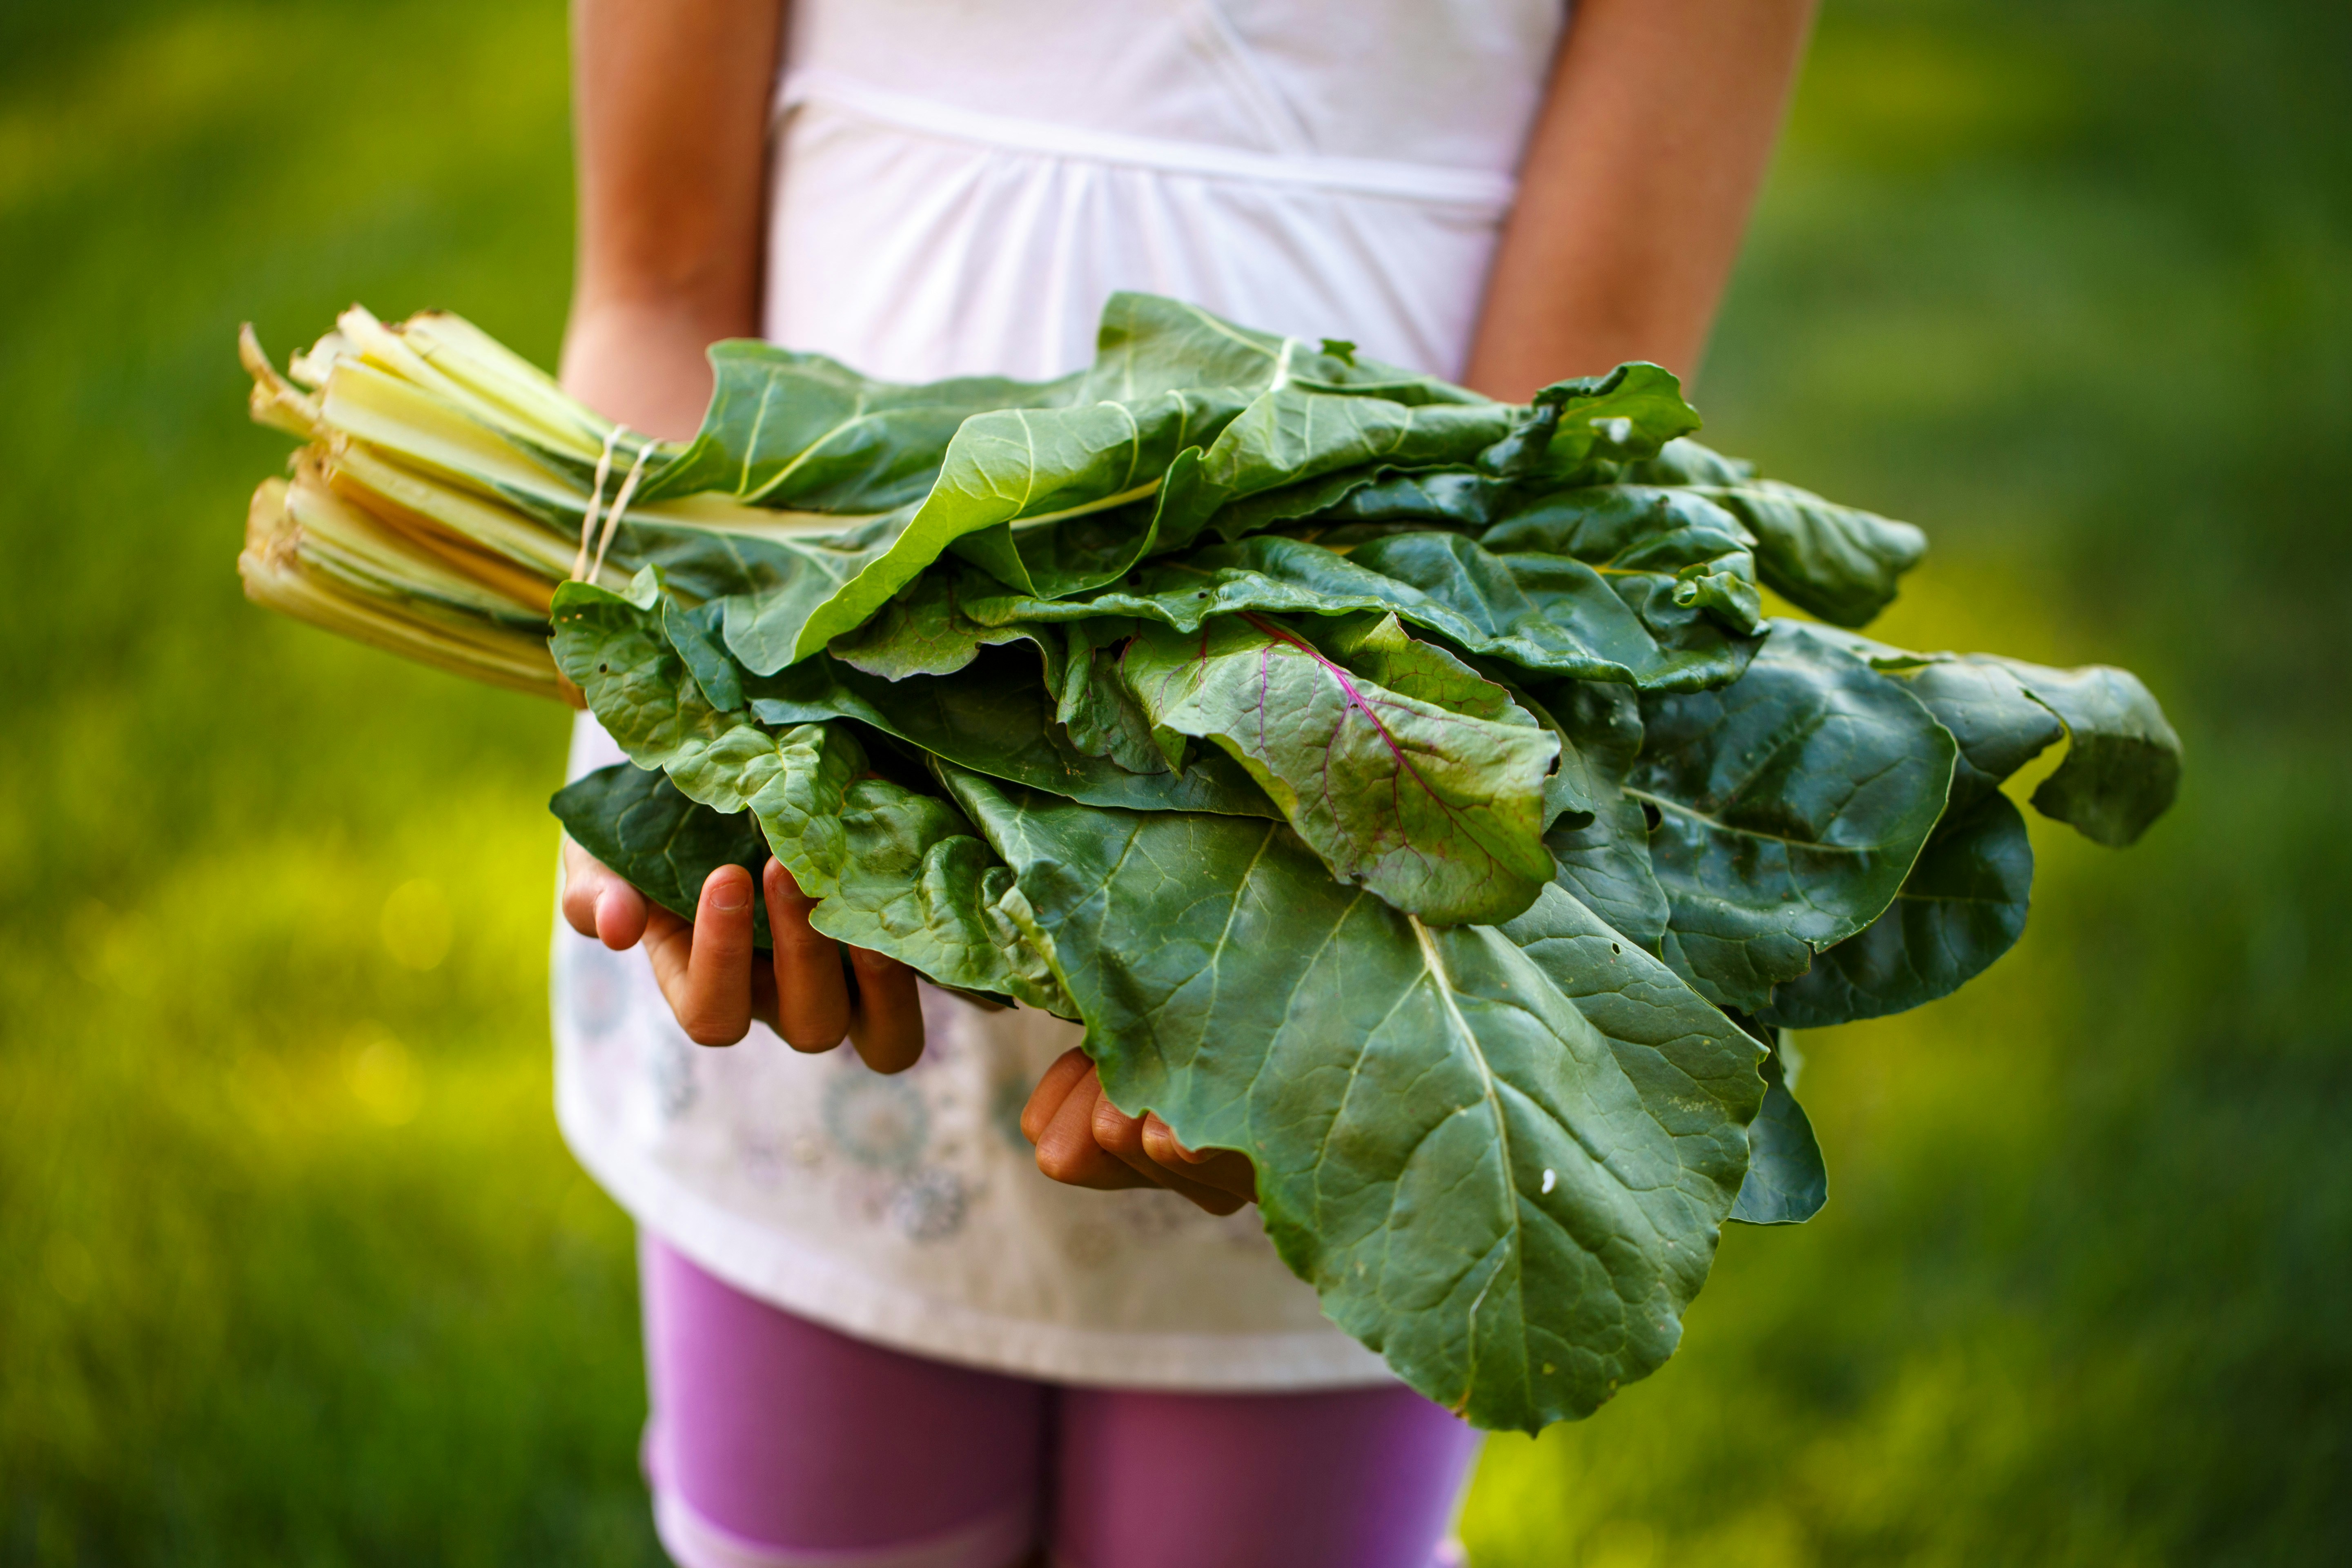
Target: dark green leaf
[
  {"x": 1839, "y": 563},
  {"x": 2123, "y": 761},
  {"x": 922, "y": 631},
  {"x": 1962, "y": 906},
  {"x": 1542, "y": 612},
  {"x": 1787, "y": 1182},
  {"x": 802, "y": 431},
  {"x": 994, "y": 715},
  {"x": 666, "y": 845},
  {"x": 1604, "y": 859},
  {"x": 1791, "y": 805},
  {"x": 1500, "y": 1156}
]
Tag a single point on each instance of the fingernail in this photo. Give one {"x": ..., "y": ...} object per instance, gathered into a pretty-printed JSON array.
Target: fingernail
[{"x": 731, "y": 898}]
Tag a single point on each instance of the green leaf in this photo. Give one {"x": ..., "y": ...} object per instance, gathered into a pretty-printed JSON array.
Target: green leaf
[
  {"x": 1438, "y": 812},
  {"x": 1792, "y": 805},
  {"x": 1839, "y": 563},
  {"x": 2123, "y": 759},
  {"x": 1003, "y": 466},
  {"x": 1097, "y": 711},
  {"x": 916, "y": 884},
  {"x": 802, "y": 431},
  {"x": 994, "y": 715},
  {"x": 1542, "y": 612},
  {"x": 1962, "y": 906},
  {"x": 893, "y": 870},
  {"x": 922, "y": 631},
  {"x": 1501, "y": 1157},
  {"x": 1626, "y": 416},
  {"x": 695, "y": 634},
  {"x": 665, "y": 845},
  {"x": 1604, "y": 859},
  {"x": 1376, "y": 647},
  {"x": 2122, "y": 766},
  {"x": 1023, "y": 465},
  {"x": 1787, "y": 1182},
  {"x": 1292, "y": 436},
  {"x": 997, "y": 716}
]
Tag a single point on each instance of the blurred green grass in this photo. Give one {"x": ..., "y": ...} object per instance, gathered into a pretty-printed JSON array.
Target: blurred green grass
[{"x": 297, "y": 1270}]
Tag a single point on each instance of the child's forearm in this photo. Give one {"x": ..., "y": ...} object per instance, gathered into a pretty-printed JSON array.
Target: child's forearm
[
  {"x": 670, "y": 106},
  {"x": 1636, "y": 186}
]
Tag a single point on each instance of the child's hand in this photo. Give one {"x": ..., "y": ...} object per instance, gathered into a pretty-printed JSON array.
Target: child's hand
[
  {"x": 706, "y": 974},
  {"x": 1083, "y": 1139}
]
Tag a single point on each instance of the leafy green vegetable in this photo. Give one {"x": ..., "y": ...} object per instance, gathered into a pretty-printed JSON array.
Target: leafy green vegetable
[
  {"x": 1402, "y": 788},
  {"x": 1787, "y": 1183},
  {"x": 1500, "y": 1154},
  {"x": 1834, "y": 562},
  {"x": 1433, "y": 807},
  {"x": 1962, "y": 906},
  {"x": 638, "y": 824},
  {"x": 1791, "y": 806}
]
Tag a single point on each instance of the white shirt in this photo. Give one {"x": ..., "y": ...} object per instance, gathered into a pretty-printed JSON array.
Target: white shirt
[{"x": 958, "y": 185}]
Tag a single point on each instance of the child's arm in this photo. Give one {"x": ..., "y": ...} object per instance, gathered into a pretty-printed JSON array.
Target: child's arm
[
  {"x": 1637, "y": 187},
  {"x": 671, "y": 103}
]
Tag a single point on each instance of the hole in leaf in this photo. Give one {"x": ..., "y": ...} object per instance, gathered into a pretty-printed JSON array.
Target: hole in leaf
[
  {"x": 1652, "y": 816},
  {"x": 1615, "y": 948}
]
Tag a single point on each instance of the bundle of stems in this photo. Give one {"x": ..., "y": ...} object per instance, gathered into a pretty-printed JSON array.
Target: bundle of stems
[{"x": 446, "y": 487}]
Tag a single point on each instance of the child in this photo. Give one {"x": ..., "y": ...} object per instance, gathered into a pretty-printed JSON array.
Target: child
[{"x": 874, "y": 1334}]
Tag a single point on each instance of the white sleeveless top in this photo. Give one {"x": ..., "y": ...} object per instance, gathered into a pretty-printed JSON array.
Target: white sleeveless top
[{"x": 958, "y": 185}]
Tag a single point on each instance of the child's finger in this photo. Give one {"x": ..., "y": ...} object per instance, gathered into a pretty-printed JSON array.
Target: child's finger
[
  {"x": 597, "y": 903},
  {"x": 716, "y": 1009},
  {"x": 1068, "y": 1069},
  {"x": 1223, "y": 1169},
  {"x": 1066, "y": 1150},
  {"x": 1123, "y": 1135},
  {"x": 812, "y": 997},
  {"x": 887, "y": 1026}
]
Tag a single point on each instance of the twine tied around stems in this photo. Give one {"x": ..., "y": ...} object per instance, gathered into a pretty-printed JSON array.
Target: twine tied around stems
[{"x": 584, "y": 570}]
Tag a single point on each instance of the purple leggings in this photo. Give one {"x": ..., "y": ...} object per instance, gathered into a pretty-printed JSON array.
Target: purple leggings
[{"x": 777, "y": 1444}]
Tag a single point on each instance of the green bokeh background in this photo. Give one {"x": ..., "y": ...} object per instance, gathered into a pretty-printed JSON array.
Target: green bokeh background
[{"x": 296, "y": 1270}]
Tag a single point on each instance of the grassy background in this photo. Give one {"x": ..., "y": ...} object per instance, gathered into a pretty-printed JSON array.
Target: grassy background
[{"x": 297, "y": 1271}]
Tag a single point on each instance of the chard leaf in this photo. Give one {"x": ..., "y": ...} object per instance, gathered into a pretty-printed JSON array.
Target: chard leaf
[
  {"x": 1604, "y": 859},
  {"x": 1438, "y": 812},
  {"x": 1962, "y": 906},
  {"x": 802, "y": 431},
  {"x": 1787, "y": 1181},
  {"x": 916, "y": 884},
  {"x": 1626, "y": 416},
  {"x": 1544, "y": 613},
  {"x": 997, "y": 716},
  {"x": 695, "y": 634},
  {"x": 994, "y": 715},
  {"x": 1839, "y": 563},
  {"x": 637, "y": 824},
  {"x": 1434, "y": 474},
  {"x": 1376, "y": 647},
  {"x": 1291, "y": 437},
  {"x": 922, "y": 631},
  {"x": 2123, "y": 759},
  {"x": 2122, "y": 766},
  {"x": 894, "y": 871},
  {"x": 1005, "y": 466},
  {"x": 1792, "y": 805},
  {"x": 1501, "y": 1157},
  {"x": 1022, "y": 465},
  {"x": 1097, "y": 711}
]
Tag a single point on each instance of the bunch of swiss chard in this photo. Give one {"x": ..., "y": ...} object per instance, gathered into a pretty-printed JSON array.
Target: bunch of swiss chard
[{"x": 1404, "y": 789}]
